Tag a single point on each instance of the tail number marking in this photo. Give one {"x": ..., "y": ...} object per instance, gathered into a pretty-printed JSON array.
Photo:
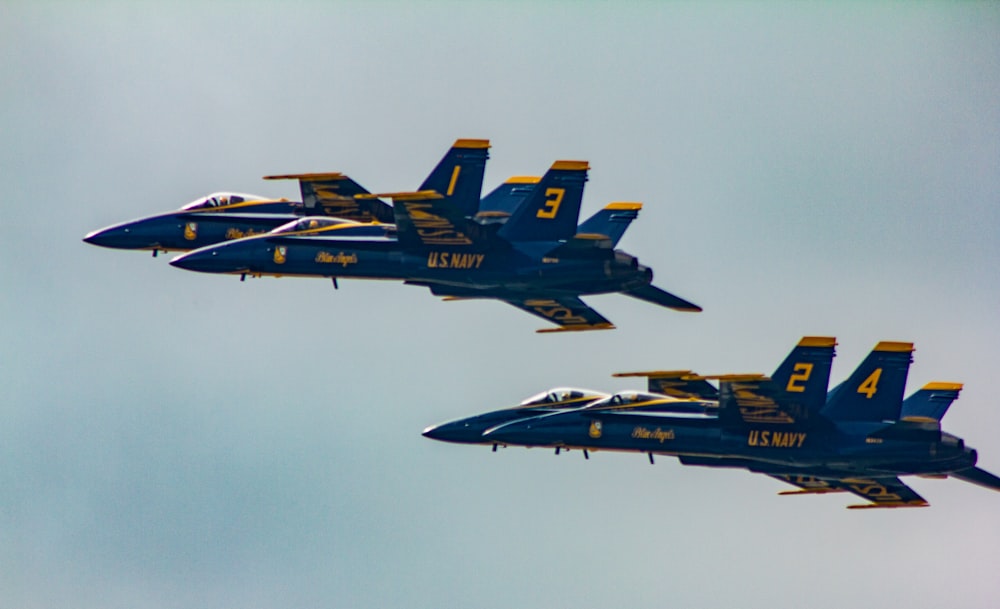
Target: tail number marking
[
  {"x": 870, "y": 384},
  {"x": 553, "y": 199},
  {"x": 801, "y": 374}
]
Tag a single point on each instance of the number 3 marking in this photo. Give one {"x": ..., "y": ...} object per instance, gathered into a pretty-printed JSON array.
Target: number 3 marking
[{"x": 553, "y": 199}]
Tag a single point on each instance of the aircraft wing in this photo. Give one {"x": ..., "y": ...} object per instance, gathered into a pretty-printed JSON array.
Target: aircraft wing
[
  {"x": 743, "y": 400},
  {"x": 676, "y": 383},
  {"x": 337, "y": 195},
  {"x": 426, "y": 219},
  {"x": 568, "y": 312},
  {"x": 881, "y": 492}
]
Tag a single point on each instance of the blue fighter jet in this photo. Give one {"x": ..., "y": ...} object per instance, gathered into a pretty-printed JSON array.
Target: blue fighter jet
[
  {"x": 860, "y": 438},
  {"x": 225, "y": 216},
  {"x": 538, "y": 260}
]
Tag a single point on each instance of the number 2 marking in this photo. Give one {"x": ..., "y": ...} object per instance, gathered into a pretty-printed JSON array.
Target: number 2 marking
[
  {"x": 870, "y": 384},
  {"x": 802, "y": 372},
  {"x": 553, "y": 199}
]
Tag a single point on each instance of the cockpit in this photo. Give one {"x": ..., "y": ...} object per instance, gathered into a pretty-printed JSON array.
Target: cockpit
[
  {"x": 652, "y": 402},
  {"x": 220, "y": 199},
  {"x": 627, "y": 398},
  {"x": 562, "y": 397},
  {"x": 310, "y": 223}
]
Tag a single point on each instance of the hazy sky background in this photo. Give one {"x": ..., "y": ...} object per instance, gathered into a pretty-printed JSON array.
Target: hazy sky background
[{"x": 171, "y": 439}]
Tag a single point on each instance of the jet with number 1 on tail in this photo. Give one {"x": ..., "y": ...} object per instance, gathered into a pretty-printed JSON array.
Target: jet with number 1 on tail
[
  {"x": 335, "y": 197},
  {"x": 538, "y": 260},
  {"x": 859, "y": 438}
]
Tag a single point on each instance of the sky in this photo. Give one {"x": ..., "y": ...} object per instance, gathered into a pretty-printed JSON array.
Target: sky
[{"x": 173, "y": 439}]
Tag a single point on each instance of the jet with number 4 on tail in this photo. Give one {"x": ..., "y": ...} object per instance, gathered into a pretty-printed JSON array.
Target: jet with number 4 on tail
[
  {"x": 538, "y": 260},
  {"x": 333, "y": 196},
  {"x": 859, "y": 439}
]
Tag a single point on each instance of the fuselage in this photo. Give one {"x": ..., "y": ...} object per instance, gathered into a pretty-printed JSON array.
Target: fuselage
[
  {"x": 371, "y": 251},
  {"x": 702, "y": 438},
  {"x": 194, "y": 227}
]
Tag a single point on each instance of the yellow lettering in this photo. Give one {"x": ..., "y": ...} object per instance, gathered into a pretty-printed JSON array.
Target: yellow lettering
[
  {"x": 765, "y": 438},
  {"x": 870, "y": 384},
  {"x": 553, "y": 199},
  {"x": 802, "y": 371}
]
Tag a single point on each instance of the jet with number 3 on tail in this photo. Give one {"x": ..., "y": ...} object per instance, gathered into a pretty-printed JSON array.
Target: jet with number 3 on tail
[{"x": 538, "y": 260}]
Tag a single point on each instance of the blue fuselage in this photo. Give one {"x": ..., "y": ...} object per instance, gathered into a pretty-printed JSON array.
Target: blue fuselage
[
  {"x": 702, "y": 440},
  {"x": 371, "y": 252}
]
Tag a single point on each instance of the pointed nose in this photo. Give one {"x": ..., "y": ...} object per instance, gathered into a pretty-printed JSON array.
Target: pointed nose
[
  {"x": 458, "y": 431},
  {"x": 204, "y": 261},
  {"x": 118, "y": 237}
]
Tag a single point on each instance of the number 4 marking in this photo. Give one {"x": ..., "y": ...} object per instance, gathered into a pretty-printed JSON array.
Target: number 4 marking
[
  {"x": 553, "y": 199},
  {"x": 870, "y": 384}
]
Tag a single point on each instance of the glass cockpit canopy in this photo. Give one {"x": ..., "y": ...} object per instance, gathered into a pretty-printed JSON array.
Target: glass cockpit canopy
[
  {"x": 221, "y": 199},
  {"x": 562, "y": 397},
  {"x": 625, "y": 398},
  {"x": 310, "y": 223}
]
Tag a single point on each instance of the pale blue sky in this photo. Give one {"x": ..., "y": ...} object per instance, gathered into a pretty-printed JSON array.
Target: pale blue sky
[{"x": 170, "y": 439}]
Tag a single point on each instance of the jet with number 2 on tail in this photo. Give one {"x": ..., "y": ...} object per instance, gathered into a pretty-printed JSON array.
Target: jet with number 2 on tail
[
  {"x": 333, "y": 196},
  {"x": 538, "y": 260},
  {"x": 859, "y": 438}
]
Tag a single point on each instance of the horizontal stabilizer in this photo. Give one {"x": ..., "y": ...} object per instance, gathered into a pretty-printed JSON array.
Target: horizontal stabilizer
[
  {"x": 978, "y": 476},
  {"x": 930, "y": 402},
  {"x": 612, "y": 221},
  {"x": 655, "y": 295}
]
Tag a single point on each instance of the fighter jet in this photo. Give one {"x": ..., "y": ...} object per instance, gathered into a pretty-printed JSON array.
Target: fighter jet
[
  {"x": 859, "y": 438},
  {"x": 225, "y": 216},
  {"x": 538, "y": 260},
  {"x": 470, "y": 430}
]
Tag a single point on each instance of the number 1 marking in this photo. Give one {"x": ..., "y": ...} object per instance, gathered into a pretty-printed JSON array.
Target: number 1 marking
[{"x": 454, "y": 178}]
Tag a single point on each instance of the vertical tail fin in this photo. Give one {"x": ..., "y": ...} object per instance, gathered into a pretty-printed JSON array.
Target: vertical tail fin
[
  {"x": 612, "y": 221},
  {"x": 874, "y": 391},
  {"x": 504, "y": 200},
  {"x": 930, "y": 402},
  {"x": 458, "y": 177},
  {"x": 551, "y": 211},
  {"x": 791, "y": 396},
  {"x": 800, "y": 382}
]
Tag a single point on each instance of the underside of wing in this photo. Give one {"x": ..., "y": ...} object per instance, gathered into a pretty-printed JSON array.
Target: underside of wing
[
  {"x": 568, "y": 312},
  {"x": 655, "y": 295},
  {"x": 881, "y": 492}
]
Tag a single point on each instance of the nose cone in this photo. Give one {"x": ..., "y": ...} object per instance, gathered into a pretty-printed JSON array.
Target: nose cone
[
  {"x": 461, "y": 432},
  {"x": 212, "y": 259},
  {"x": 120, "y": 236}
]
